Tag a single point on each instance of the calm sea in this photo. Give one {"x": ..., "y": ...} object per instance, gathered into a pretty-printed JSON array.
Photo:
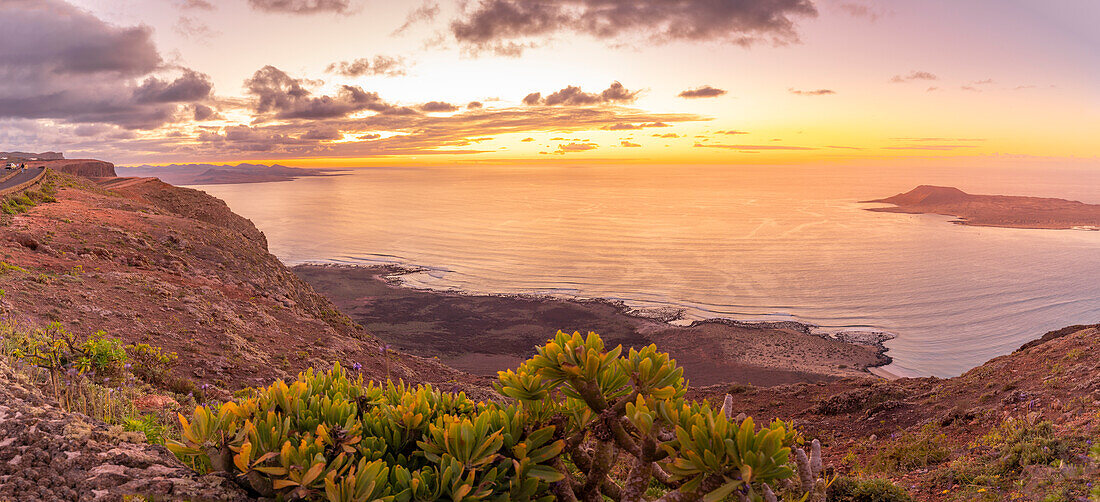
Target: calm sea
[{"x": 762, "y": 243}]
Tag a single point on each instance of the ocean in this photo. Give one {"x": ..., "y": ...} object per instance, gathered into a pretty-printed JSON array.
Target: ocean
[{"x": 750, "y": 243}]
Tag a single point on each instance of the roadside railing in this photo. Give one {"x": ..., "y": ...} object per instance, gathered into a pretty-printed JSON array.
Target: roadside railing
[{"x": 22, "y": 186}]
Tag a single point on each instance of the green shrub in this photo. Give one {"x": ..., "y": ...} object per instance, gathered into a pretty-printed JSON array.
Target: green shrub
[
  {"x": 866, "y": 490},
  {"x": 56, "y": 349},
  {"x": 101, "y": 354},
  {"x": 913, "y": 450},
  {"x": 1020, "y": 442},
  {"x": 151, "y": 364},
  {"x": 578, "y": 411},
  {"x": 146, "y": 424}
]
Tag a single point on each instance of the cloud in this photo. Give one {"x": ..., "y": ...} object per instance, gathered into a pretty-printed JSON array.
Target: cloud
[
  {"x": 576, "y": 147},
  {"x": 622, "y": 126},
  {"x": 702, "y": 92},
  {"x": 418, "y": 134},
  {"x": 474, "y": 105},
  {"x": 63, "y": 63},
  {"x": 438, "y": 106},
  {"x": 755, "y": 147},
  {"x": 527, "y": 140},
  {"x": 323, "y": 133},
  {"x": 627, "y": 144},
  {"x": 287, "y": 98},
  {"x": 813, "y": 92},
  {"x": 731, "y": 132},
  {"x": 381, "y": 65},
  {"x": 191, "y": 86},
  {"x": 193, "y": 28},
  {"x": 426, "y": 13},
  {"x": 914, "y": 75},
  {"x": 574, "y": 96},
  {"x": 937, "y": 139},
  {"x": 928, "y": 147},
  {"x": 196, "y": 4},
  {"x": 869, "y": 10},
  {"x": 667, "y": 135},
  {"x": 301, "y": 6},
  {"x": 508, "y": 26},
  {"x": 203, "y": 112}
]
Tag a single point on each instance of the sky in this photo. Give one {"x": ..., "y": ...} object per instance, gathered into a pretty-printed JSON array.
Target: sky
[{"x": 331, "y": 83}]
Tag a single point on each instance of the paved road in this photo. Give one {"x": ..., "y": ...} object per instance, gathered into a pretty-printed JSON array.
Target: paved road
[{"x": 22, "y": 177}]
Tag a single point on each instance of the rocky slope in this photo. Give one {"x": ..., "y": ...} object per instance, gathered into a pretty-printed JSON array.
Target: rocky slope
[
  {"x": 149, "y": 262},
  {"x": 859, "y": 420},
  {"x": 47, "y": 454}
]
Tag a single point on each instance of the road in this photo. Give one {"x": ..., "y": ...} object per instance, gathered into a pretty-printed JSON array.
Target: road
[{"x": 22, "y": 177}]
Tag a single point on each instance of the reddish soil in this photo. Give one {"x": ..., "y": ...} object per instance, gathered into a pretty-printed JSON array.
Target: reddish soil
[
  {"x": 149, "y": 262},
  {"x": 994, "y": 210}
]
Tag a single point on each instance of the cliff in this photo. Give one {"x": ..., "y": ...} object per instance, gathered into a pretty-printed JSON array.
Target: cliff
[{"x": 88, "y": 168}]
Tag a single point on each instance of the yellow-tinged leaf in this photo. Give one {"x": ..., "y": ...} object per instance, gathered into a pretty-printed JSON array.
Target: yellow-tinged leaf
[
  {"x": 279, "y": 484},
  {"x": 241, "y": 459},
  {"x": 312, "y": 474},
  {"x": 722, "y": 491}
]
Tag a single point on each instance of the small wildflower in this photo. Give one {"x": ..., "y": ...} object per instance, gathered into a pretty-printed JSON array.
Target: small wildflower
[{"x": 356, "y": 367}]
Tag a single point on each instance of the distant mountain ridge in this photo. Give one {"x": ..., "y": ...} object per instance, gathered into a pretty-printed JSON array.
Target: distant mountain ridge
[
  {"x": 31, "y": 156},
  {"x": 213, "y": 174}
]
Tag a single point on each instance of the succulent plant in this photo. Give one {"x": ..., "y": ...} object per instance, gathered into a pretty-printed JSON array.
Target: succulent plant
[{"x": 575, "y": 411}]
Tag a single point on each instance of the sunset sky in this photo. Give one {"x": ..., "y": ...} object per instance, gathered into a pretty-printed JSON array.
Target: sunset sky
[{"x": 371, "y": 82}]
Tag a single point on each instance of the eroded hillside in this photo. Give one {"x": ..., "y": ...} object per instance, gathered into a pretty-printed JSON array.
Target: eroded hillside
[{"x": 174, "y": 267}]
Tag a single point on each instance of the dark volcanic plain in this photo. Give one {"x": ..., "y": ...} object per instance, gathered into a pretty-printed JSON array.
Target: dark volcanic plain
[{"x": 483, "y": 334}]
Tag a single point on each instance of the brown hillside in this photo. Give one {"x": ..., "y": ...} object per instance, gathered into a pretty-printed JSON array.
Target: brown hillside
[{"x": 149, "y": 262}]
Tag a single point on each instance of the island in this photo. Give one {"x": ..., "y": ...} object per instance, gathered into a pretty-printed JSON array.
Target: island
[{"x": 1006, "y": 211}]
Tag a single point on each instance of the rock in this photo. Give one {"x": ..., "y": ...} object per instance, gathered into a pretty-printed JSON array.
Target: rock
[
  {"x": 155, "y": 402},
  {"x": 26, "y": 241},
  {"x": 51, "y": 455}
]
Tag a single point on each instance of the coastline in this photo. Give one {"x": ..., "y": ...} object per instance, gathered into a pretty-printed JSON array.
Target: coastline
[{"x": 485, "y": 333}]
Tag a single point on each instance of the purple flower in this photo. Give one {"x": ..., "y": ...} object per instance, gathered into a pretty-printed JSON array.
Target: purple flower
[
  {"x": 356, "y": 367},
  {"x": 127, "y": 365}
]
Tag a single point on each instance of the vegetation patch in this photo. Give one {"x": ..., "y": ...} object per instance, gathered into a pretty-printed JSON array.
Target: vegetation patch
[
  {"x": 98, "y": 376},
  {"x": 24, "y": 201},
  {"x": 583, "y": 423},
  {"x": 913, "y": 450}
]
